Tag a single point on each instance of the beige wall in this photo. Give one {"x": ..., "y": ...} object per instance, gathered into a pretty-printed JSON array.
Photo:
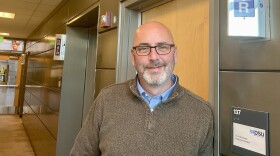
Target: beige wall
[{"x": 189, "y": 23}]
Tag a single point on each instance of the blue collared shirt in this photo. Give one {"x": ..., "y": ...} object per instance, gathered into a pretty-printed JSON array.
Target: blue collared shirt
[{"x": 154, "y": 101}]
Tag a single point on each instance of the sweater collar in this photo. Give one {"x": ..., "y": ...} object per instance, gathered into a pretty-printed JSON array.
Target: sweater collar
[{"x": 177, "y": 91}]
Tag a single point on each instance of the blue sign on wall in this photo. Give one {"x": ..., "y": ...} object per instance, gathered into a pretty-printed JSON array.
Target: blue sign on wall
[{"x": 244, "y": 8}]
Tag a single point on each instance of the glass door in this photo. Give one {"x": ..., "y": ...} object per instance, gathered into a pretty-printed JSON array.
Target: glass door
[{"x": 8, "y": 86}]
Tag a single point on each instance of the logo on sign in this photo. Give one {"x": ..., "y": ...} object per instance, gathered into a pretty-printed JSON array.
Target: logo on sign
[
  {"x": 244, "y": 8},
  {"x": 257, "y": 133}
]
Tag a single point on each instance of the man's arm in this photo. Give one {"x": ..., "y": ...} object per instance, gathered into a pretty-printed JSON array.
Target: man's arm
[
  {"x": 87, "y": 140},
  {"x": 207, "y": 147}
]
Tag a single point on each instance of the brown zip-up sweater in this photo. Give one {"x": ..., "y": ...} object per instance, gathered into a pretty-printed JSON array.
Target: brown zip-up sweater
[{"x": 120, "y": 123}]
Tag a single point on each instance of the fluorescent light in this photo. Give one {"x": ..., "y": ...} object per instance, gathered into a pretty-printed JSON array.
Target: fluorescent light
[
  {"x": 4, "y": 34},
  {"x": 7, "y": 15},
  {"x": 50, "y": 38}
]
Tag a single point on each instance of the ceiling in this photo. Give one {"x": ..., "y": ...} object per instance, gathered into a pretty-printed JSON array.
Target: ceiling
[{"x": 29, "y": 15}]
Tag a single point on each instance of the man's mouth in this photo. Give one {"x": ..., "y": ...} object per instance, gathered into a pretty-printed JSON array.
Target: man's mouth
[{"x": 154, "y": 68}]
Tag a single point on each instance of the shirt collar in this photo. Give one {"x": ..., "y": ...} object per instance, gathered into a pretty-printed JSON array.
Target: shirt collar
[{"x": 164, "y": 96}]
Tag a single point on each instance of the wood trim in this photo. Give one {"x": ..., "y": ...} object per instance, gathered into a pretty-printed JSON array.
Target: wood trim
[{"x": 189, "y": 23}]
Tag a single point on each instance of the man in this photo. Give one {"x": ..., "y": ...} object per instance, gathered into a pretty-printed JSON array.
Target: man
[{"x": 151, "y": 114}]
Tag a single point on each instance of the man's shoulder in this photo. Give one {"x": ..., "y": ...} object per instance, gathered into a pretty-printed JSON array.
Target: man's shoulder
[
  {"x": 116, "y": 88},
  {"x": 195, "y": 100}
]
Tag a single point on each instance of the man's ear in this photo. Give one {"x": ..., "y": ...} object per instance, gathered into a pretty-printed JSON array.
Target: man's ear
[{"x": 175, "y": 55}]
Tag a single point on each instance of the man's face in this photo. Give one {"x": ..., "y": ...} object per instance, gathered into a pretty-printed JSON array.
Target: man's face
[{"x": 154, "y": 69}]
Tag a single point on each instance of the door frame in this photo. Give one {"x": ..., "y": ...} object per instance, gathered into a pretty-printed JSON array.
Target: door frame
[
  {"x": 214, "y": 69},
  {"x": 129, "y": 20},
  {"x": 16, "y": 57}
]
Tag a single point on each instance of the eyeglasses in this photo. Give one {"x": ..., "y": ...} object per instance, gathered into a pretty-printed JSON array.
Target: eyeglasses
[{"x": 161, "y": 49}]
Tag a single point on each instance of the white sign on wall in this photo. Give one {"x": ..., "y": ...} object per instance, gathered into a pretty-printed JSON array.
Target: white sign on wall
[
  {"x": 11, "y": 45},
  {"x": 248, "y": 18},
  {"x": 59, "y": 48},
  {"x": 250, "y": 138}
]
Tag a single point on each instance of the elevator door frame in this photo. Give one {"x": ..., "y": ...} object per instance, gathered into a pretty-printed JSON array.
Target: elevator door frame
[{"x": 78, "y": 77}]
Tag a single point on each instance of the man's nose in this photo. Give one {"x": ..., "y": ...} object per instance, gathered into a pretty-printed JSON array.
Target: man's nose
[{"x": 153, "y": 54}]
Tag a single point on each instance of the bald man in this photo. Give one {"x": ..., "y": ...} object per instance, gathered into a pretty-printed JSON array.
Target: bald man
[{"x": 151, "y": 114}]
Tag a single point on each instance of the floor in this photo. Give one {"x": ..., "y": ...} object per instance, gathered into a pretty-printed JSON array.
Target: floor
[{"x": 13, "y": 138}]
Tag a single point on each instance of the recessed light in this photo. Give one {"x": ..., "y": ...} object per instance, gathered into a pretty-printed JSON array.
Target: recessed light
[
  {"x": 4, "y": 34},
  {"x": 7, "y": 15}
]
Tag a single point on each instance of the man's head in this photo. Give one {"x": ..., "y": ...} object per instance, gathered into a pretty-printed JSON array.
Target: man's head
[{"x": 154, "y": 54}]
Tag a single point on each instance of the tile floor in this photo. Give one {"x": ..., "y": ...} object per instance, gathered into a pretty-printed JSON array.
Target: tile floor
[{"x": 13, "y": 138}]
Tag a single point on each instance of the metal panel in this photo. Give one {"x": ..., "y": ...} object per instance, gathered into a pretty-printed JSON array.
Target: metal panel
[
  {"x": 214, "y": 69},
  {"x": 254, "y": 90},
  {"x": 37, "y": 133},
  {"x": 128, "y": 21},
  {"x": 72, "y": 91},
  {"x": 240, "y": 54},
  {"x": 103, "y": 79},
  {"x": 107, "y": 49},
  {"x": 78, "y": 76},
  {"x": 90, "y": 71},
  {"x": 44, "y": 106},
  {"x": 42, "y": 98}
]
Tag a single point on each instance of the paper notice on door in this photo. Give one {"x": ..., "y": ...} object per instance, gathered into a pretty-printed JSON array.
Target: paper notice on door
[{"x": 249, "y": 138}]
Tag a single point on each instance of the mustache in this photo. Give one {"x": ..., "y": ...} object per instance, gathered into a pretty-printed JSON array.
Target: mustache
[{"x": 155, "y": 63}]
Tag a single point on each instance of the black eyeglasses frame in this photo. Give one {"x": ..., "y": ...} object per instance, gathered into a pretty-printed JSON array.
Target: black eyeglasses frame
[{"x": 155, "y": 47}]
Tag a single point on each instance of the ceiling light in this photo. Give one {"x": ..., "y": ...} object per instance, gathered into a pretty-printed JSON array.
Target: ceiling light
[
  {"x": 4, "y": 34},
  {"x": 50, "y": 38},
  {"x": 7, "y": 15}
]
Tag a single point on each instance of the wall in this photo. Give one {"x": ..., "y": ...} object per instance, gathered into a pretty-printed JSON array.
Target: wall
[
  {"x": 42, "y": 94},
  {"x": 42, "y": 107},
  {"x": 189, "y": 23},
  {"x": 42, "y": 98},
  {"x": 68, "y": 11}
]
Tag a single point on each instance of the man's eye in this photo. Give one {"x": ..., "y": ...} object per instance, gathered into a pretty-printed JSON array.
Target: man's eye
[
  {"x": 163, "y": 47},
  {"x": 142, "y": 48}
]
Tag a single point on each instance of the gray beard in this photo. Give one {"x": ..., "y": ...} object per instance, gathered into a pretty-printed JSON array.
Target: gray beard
[{"x": 155, "y": 80}]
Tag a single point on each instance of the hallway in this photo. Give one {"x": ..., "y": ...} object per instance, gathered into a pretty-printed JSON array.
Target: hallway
[{"x": 13, "y": 138}]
